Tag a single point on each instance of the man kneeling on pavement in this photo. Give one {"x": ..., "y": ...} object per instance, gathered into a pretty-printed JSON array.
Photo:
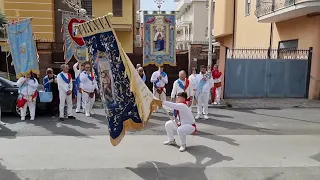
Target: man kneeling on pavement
[{"x": 183, "y": 123}]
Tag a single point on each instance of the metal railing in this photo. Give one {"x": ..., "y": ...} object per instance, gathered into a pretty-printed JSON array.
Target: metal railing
[{"x": 264, "y": 7}]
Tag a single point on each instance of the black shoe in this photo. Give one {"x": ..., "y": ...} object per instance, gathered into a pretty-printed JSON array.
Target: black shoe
[
  {"x": 61, "y": 119},
  {"x": 71, "y": 117}
]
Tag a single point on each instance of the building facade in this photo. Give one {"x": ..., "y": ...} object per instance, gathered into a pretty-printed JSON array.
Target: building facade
[
  {"x": 191, "y": 23},
  {"x": 47, "y": 23},
  {"x": 270, "y": 24}
]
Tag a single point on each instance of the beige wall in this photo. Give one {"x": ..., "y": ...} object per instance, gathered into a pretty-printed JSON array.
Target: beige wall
[
  {"x": 42, "y": 12},
  {"x": 250, "y": 33},
  {"x": 223, "y": 21},
  {"x": 103, "y": 7}
]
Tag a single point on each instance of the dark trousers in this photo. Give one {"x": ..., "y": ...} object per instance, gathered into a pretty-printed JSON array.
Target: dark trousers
[{"x": 54, "y": 105}]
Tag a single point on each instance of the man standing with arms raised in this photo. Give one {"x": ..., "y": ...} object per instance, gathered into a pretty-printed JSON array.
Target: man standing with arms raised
[
  {"x": 159, "y": 80},
  {"x": 64, "y": 80},
  {"x": 88, "y": 87},
  {"x": 77, "y": 73}
]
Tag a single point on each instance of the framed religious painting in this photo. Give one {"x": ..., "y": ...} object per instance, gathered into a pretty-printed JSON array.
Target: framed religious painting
[{"x": 159, "y": 39}]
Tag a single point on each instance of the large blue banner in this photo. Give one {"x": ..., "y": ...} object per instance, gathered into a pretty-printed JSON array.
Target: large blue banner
[
  {"x": 159, "y": 39},
  {"x": 23, "y": 48},
  {"x": 128, "y": 101}
]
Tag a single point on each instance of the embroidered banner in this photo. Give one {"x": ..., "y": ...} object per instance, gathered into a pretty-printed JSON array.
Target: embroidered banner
[
  {"x": 128, "y": 101},
  {"x": 73, "y": 43},
  {"x": 159, "y": 39},
  {"x": 23, "y": 48}
]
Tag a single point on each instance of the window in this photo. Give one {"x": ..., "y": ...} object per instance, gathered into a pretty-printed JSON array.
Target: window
[
  {"x": 87, "y": 5},
  {"x": 248, "y": 7},
  {"x": 287, "y": 49},
  {"x": 117, "y": 8},
  {"x": 290, "y": 44}
]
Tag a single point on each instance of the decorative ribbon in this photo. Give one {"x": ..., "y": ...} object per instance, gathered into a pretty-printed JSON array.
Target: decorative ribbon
[
  {"x": 65, "y": 79},
  {"x": 184, "y": 87},
  {"x": 163, "y": 74},
  {"x": 202, "y": 82}
]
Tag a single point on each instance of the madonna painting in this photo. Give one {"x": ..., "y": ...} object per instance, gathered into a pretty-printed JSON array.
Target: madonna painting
[{"x": 159, "y": 38}]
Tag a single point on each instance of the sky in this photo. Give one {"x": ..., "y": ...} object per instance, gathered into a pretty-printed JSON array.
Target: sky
[{"x": 149, "y": 5}]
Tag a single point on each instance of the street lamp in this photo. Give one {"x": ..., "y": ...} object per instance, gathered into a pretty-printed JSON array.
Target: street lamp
[{"x": 210, "y": 15}]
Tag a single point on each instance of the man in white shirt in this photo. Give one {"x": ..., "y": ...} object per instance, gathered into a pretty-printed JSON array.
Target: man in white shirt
[
  {"x": 64, "y": 80},
  {"x": 88, "y": 87},
  {"x": 184, "y": 122},
  {"x": 182, "y": 85},
  {"x": 159, "y": 80},
  {"x": 204, "y": 85},
  {"x": 28, "y": 90},
  {"x": 77, "y": 73}
]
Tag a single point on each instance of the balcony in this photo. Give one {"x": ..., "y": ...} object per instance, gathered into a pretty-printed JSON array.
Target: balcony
[
  {"x": 272, "y": 11},
  {"x": 182, "y": 4}
]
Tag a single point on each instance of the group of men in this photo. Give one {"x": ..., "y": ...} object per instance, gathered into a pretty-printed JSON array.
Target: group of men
[
  {"x": 185, "y": 91},
  {"x": 85, "y": 89},
  {"x": 197, "y": 87}
]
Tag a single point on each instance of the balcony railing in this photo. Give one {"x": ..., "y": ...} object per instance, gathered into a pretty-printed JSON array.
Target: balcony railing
[{"x": 265, "y": 7}]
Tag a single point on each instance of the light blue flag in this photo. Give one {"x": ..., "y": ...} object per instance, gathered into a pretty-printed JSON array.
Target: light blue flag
[{"x": 23, "y": 48}]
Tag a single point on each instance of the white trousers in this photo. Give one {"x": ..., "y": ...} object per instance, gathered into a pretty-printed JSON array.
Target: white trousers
[
  {"x": 203, "y": 99},
  {"x": 88, "y": 102},
  {"x": 63, "y": 99},
  {"x": 32, "y": 109},
  {"x": 182, "y": 131},
  {"x": 79, "y": 101},
  {"x": 161, "y": 96},
  {"x": 218, "y": 94}
]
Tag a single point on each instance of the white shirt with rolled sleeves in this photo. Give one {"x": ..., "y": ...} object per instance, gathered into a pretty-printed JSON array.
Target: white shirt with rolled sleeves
[
  {"x": 86, "y": 84},
  {"x": 207, "y": 86},
  {"x": 186, "y": 116},
  {"x": 162, "y": 82},
  {"x": 177, "y": 89},
  {"x": 62, "y": 85},
  {"x": 29, "y": 87},
  {"x": 76, "y": 70}
]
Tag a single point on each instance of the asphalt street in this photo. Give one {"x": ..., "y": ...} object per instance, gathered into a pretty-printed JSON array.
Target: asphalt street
[{"x": 235, "y": 144}]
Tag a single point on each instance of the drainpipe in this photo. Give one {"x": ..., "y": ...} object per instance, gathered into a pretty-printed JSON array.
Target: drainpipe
[{"x": 234, "y": 23}]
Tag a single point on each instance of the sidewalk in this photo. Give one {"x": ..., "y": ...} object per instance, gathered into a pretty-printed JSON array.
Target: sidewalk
[{"x": 279, "y": 103}]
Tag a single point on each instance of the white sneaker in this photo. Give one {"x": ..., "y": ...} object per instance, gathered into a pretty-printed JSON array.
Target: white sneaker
[
  {"x": 92, "y": 112},
  {"x": 23, "y": 118},
  {"x": 87, "y": 114},
  {"x": 206, "y": 117},
  {"x": 32, "y": 119},
  {"x": 173, "y": 142},
  {"x": 78, "y": 111},
  {"x": 198, "y": 117},
  {"x": 215, "y": 103},
  {"x": 182, "y": 148},
  {"x": 2, "y": 123}
]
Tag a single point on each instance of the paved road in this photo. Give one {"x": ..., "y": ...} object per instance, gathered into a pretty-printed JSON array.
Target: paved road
[{"x": 234, "y": 144}]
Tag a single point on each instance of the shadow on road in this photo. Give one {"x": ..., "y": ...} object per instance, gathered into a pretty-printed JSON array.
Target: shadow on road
[
  {"x": 152, "y": 170},
  {"x": 6, "y": 174},
  {"x": 316, "y": 157},
  {"x": 7, "y": 133}
]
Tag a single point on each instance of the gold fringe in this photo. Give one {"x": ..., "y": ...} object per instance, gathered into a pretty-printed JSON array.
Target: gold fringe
[
  {"x": 129, "y": 124},
  {"x": 28, "y": 72},
  {"x": 162, "y": 64}
]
